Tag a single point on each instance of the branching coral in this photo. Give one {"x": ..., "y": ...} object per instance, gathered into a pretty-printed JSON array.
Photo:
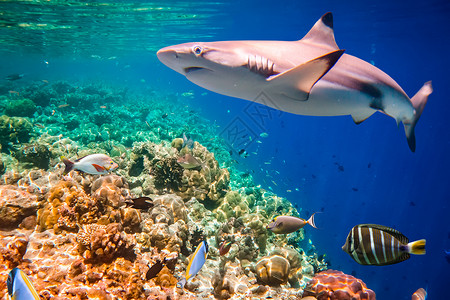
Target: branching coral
[{"x": 100, "y": 243}]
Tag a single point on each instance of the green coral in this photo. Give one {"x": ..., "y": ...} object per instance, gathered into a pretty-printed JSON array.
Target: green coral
[
  {"x": 14, "y": 130},
  {"x": 20, "y": 108}
]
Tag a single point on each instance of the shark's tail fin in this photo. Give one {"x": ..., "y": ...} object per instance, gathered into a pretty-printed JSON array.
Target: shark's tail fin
[{"x": 418, "y": 101}]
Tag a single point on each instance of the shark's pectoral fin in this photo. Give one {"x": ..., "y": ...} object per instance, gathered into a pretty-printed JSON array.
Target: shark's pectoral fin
[
  {"x": 296, "y": 83},
  {"x": 360, "y": 117}
]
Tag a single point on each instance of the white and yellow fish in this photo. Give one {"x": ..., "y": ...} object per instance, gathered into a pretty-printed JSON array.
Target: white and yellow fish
[
  {"x": 195, "y": 263},
  {"x": 20, "y": 287},
  {"x": 420, "y": 294},
  {"x": 92, "y": 164}
]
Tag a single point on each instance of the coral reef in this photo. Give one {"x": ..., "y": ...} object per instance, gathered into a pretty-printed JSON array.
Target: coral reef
[
  {"x": 167, "y": 174},
  {"x": 20, "y": 108},
  {"x": 331, "y": 284},
  {"x": 15, "y": 205},
  {"x": 77, "y": 237},
  {"x": 14, "y": 130},
  {"x": 34, "y": 155},
  {"x": 100, "y": 243},
  {"x": 273, "y": 270}
]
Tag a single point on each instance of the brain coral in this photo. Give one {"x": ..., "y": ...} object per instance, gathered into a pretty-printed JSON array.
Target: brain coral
[
  {"x": 273, "y": 270},
  {"x": 335, "y": 285}
]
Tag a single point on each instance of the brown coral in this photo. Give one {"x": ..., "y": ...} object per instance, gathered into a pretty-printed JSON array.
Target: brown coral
[
  {"x": 15, "y": 205},
  {"x": 273, "y": 270},
  {"x": 331, "y": 284},
  {"x": 167, "y": 174},
  {"x": 12, "y": 250},
  {"x": 100, "y": 243}
]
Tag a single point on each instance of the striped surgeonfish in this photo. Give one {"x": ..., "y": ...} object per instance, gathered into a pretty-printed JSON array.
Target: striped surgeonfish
[
  {"x": 20, "y": 287},
  {"x": 371, "y": 244}
]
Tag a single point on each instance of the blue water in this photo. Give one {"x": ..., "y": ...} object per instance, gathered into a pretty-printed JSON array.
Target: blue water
[{"x": 352, "y": 173}]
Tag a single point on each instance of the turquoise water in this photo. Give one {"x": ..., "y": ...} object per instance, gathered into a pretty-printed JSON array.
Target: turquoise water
[{"x": 352, "y": 174}]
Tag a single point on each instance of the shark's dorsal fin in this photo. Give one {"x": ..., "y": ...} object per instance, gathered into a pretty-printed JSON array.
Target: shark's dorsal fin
[
  {"x": 296, "y": 83},
  {"x": 322, "y": 32}
]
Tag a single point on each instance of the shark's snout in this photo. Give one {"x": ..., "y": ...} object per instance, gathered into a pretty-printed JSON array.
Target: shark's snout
[{"x": 166, "y": 55}]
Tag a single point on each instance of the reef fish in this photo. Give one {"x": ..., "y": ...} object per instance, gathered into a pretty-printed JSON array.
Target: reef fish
[
  {"x": 91, "y": 164},
  {"x": 155, "y": 269},
  {"x": 195, "y": 263},
  {"x": 20, "y": 287},
  {"x": 13, "y": 77},
  {"x": 420, "y": 294},
  {"x": 189, "y": 162},
  {"x": 371, "y": 244},
  {"x": 140, "y": 203},
  {"x": 311, "y": 76},
  {"x": 224, "y": 248},
  {"x": 288, "y": 224}
]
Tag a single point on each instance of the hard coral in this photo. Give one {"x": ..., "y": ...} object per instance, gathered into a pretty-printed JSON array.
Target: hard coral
[
  {"x": 68, "y": 206},
  {"x": 273, "y": 270},
  {"x": 100, "y": 243},
  {"x": 210, "y": 182},
  {"x": 34, "y": 155},
  {"x": 12, "y": 250},
  {"x": 15, "y": 205},
  {"x": 20, "y": 108},
  {"x": 167, "y": 174},
  {"x": 14, "y": 130},
  {"x": 335, "y": 285}
]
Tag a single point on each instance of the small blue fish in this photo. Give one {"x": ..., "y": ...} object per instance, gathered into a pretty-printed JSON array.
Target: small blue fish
[
  {"x": 20, "y": 287},
  {"x": 195, "y": 263}
]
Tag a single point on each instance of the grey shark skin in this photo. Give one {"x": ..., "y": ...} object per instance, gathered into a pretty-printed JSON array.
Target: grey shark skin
[{"x": 311, "y": 76}]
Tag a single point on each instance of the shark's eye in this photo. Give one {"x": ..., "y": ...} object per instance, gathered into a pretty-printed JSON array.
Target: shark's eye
[{"x": 197, "y": 50}]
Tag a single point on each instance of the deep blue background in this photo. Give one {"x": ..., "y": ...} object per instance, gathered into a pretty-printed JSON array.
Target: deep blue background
[{"x": 354, "y": 173}]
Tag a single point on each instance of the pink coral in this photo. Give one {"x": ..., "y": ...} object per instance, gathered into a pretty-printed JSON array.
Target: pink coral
[{"x": 335, "y": 285}]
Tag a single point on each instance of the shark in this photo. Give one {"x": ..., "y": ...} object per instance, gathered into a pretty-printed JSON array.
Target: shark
[{"x": 311, "y": 76}]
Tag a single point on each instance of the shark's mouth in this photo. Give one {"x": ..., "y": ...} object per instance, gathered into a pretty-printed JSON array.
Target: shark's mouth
[{"x": 194, "y": 69}]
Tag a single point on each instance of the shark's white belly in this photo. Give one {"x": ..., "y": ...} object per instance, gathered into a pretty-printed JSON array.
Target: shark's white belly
[{"x": 326, "y": 98}]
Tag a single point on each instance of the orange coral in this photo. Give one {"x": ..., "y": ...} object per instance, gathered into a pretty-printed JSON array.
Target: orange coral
[{"x": 335, "y": 285}]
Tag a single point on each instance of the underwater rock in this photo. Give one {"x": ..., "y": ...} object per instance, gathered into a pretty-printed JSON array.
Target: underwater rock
[
  {"x": 14, "y": 130},
  {"x": 331, "y": 284},
  {"x": 273, "y": 270},
  {"x": 35, "y": 155},
  {"x": 15, "y": 205},
  {"x": 20, "y": 108}
]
